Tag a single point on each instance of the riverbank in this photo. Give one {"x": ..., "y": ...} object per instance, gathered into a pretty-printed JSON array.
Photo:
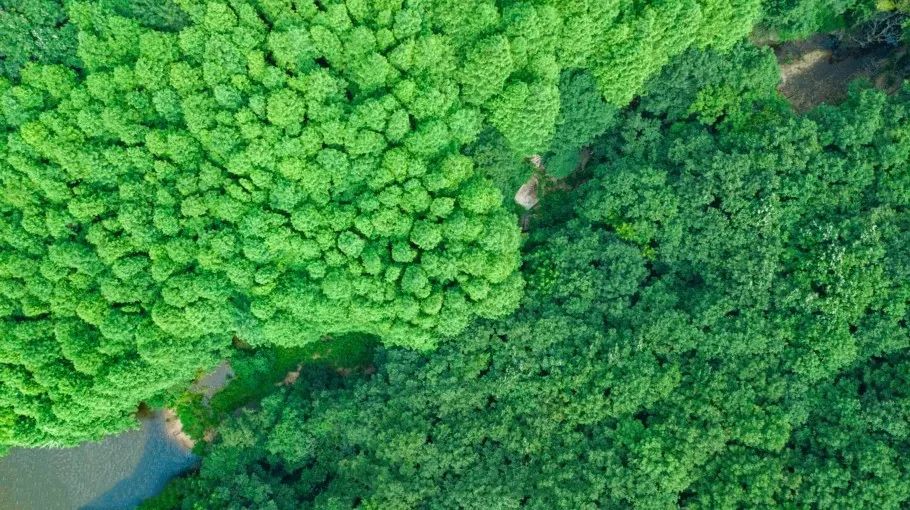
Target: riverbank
[
  {"x": 174, "y": 429},
  {"x": 251, "y": 375}
]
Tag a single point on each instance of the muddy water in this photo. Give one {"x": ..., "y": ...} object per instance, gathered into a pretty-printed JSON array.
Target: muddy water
[{"x": 115, "y": 473}]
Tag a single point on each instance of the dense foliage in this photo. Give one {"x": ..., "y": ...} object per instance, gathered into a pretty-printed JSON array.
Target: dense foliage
[
  {"x": 34, "y": 31},
  {"x": 708, "y": 310},
  {"x": 197, "y": 171},
  {"x": 717, "y": 320},
  {"x": 794, "y": 19},
  {"x": 40, "y": 31}
]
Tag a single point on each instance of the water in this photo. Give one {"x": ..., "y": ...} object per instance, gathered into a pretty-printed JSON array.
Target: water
[{"x": 116, "y": 473}]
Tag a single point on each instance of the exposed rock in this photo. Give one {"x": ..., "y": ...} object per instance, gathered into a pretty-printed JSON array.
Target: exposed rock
[{"x": 527, "y": 193}]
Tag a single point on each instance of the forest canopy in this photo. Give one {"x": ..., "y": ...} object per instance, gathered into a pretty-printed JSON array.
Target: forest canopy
[
  {"x": 704, "y": 306},
  {"x": 719, "y": 321},
  {"x": 181, "y": 176}
]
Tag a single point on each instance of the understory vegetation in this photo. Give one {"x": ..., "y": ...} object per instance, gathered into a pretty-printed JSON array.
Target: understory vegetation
[{"x": 706, "y": 309}]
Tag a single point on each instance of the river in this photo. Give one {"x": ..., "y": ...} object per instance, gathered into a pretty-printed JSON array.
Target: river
[{"x": 117, "y": 472}]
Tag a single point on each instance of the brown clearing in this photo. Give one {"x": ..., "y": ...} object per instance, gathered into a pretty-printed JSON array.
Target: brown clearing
[{"x": 820, "y": 69}]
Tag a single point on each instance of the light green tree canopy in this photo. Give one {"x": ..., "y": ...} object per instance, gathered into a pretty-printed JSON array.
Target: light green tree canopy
[{"x": 276, "y": 171}]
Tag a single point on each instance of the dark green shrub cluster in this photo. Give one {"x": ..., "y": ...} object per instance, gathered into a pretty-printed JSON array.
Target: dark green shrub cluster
[
  {"x": 34, "y": 31},
  {"x": 794, "y": 19}
]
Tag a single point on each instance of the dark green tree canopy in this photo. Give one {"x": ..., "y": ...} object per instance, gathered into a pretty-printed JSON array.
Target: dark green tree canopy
[
  {"x": 720, "y": 323},
  {"x": 34, "y": 30}
]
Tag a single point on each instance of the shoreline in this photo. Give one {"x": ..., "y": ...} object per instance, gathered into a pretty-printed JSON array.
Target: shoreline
[{"x": 173, "y": 427}]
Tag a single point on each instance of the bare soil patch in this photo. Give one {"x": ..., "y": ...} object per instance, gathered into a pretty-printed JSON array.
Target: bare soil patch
[{"x": 820, "y": 70}]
